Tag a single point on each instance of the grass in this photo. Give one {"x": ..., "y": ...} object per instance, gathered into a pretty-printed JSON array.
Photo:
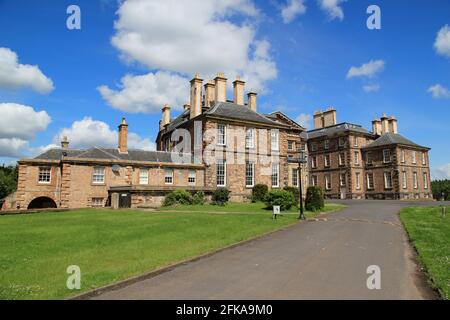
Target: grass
[
  {"x": 108, "y": 245},
  {"x": 430, "y": 234}
]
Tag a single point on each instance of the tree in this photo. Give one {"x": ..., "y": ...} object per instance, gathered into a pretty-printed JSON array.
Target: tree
[
  {"x": 439, "y": 188},
  {"x": 8, "y": 180}
]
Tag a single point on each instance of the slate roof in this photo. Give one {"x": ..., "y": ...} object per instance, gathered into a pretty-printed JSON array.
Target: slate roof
[
  {"x": 336, "y": 129},
  {"x": 393, "y": 138},
  {"x": 109, "y": 154}
]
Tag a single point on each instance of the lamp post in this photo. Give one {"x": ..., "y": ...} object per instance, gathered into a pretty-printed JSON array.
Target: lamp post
[{"x": 300, "y": 160}]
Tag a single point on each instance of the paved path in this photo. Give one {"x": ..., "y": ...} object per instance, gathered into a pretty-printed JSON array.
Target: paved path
[{"x": 312, "y": 260}]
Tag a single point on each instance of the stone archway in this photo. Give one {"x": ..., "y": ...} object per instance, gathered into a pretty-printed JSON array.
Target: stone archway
[{"x": 42, "y": 203}]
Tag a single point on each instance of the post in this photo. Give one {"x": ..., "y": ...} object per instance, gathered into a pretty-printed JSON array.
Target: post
[{"x": 302, "y": 214}]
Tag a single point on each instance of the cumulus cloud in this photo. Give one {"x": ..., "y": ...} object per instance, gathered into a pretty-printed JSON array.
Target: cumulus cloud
[
  {"x": 88, "y": 132},
  {"x": 442, "y": 42},
  {"x": 147, "y": 93},
  {"x": 369, "y": 69},
  {"x": 441, "y": 173},
  {"x": 304, "y": 120},
  {"x": 18, "y": 125},
  {"x": 292, "y": 9},
  {"x": 216, "y": 35},
  {"x": 332, "y": 8},
  {"x": 371, "y": 87},
  {"x": 438, "y": 91},
  {"x": 14, "y": 75}
]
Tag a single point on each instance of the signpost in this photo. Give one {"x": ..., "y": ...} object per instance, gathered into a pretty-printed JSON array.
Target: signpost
[{"x": 301, "y": 159}]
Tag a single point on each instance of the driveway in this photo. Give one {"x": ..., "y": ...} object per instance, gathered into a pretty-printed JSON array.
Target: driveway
[{"x": 325, "y": 259}]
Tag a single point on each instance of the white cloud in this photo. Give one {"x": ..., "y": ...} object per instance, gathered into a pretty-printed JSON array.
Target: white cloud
[
  {"x": 370, "y": 69},
  {"x": 332, "y": 8},
  {"x": 441, "y": 173},
  {"x": 148, "y": 93},
  {"x": 14, "y": 75},
  {"x": 13, "y": 147},
  {"x": 438, "y": 91},
  {"x": 371, "y": 87},
  {"x": 87, "y": 133},
  {"x": 20, "y": 121},
  {"x": 442, "y": 42},
  {"x": 292, "y": 9},
  {"x": 304, "y": 120},
  {"x": 213, "y": 36}
]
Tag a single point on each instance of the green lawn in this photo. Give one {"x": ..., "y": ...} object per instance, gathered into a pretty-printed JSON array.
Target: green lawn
[
  {"x": 108, "y": 245},
  {"x": 430, "y": 234}
]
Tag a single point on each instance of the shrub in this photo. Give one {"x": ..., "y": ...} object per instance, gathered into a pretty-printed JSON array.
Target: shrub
[
  {"x": 259, "y": 191},
  {"x": 295, "y": 192},
  {"x": 282, "y": 198},
  {"x": 198, "y": 198},
  {"x": 221, "y": 196},
  {"x": 314, "y": 199},
  {"x": 179, "y": 196}
]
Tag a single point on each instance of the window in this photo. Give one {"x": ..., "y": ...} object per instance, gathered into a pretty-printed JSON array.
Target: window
[
  {"x": 357, "y": 157},
  {"x": 326, "y": 144},
  {"x": 386, "y": 155},
  {"x": 388, "y": 180},
  {"x": 249, "y": 174},
  {"x": 341, "y": 142},
  {"x": 356, "y": 142},
  {"x": 327, "y": 182},
  {"x": 424, "y": 159},
  {"x": 221, "y": 134},
  {"x": 274, "y": 134},
  {"x": 97, "y": 202},
  {"x": 342, "y": 179},
  {"x": 221, "y": 173},
  {"x": 414, "y": 161},
  {"x": 168, "y": 177},
  {"x": 44, "y": 175},
  {"x": 425, "y": 180},
  {"x": 415, "y": 180},
  {"x": 404, "y": 180},
  {"x": 369, "y": 157},
  {"x": 402, "y": 156},
  {"x": 295, "y": 177},
  {"x": 358, "y": 180},
  {"x": 143, "y": 176},
  {"x": 249, "y": 138},
  {"x": 314, "y": 181},
  {"x": 341, "y": 158},
  {"x": 191, "y": 177},
  {"x": 98, "y": 175},
  {"x": 275, "y": 175},
  {"x": 327, "y": 160},
  {"x": 370, "y": 183},
  {"x": 313, "y": 162},
  {"x": 291, "y": 145},
  {"x": 303, "y": 147},
  {"x": 313, "y": 146}
]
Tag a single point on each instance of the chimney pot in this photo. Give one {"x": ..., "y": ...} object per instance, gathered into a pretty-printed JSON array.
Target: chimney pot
[
  {"x": 65, "y": 143},
  {"x": 196, "y": 96},
  {"x": 220, "y": 87},
  {"x": 251, "y": 97},
  {"x": 210, "y": 93},
  {"x": 238, "y": 86}
]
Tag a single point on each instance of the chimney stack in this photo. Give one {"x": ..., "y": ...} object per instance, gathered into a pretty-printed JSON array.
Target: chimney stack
[
  {"x": 186, "y": 107},
  {"x": 123, "y": 136},
  {"x": 238, "y": 86},
  {"x": 221, "y": 87},
  {"x": 196, "y": 96},
  {"x": 384, "y": 124},
  {"x": 393, "y": 124},
  {"x": 251, "y": 96},
  {"x": 376, "y": 126},
  {"x": 325, "y": 119},
  {"x": 65, "y": 143},
  {"x": 210, "y": 93},
  {"x": 165, "y": 120}
]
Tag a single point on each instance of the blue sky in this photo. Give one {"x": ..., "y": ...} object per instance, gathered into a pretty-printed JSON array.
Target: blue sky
[{"x": 298, "y": 62}]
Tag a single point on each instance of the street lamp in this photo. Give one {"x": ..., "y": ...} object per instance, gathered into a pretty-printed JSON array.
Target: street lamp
[{"x": 300, "y": 160}]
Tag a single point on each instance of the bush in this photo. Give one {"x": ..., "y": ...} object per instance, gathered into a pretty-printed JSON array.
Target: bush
[
  {"x": 221, "y": 196},
  {"x": 179, "y": 196},
  {"x": 295, "y": 192},
  {"x": 282, "y": 198},
  {"x": 314, "y": 199},
  {"x": 259, "y": 191},
  {"x": 199, "y": 198}
]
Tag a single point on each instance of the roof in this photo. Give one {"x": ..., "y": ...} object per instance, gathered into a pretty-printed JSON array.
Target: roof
[
  {"x": 393, "y": 138},
  {"x": 336, "y": 129},
  {"x": 278, "y": 114},
  {"x": 239, "y": 112},
  {"x": 110, "y": 154}
]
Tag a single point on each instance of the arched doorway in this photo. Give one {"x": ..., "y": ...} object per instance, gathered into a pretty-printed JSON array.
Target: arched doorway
[{"x": 42, "y": 203}]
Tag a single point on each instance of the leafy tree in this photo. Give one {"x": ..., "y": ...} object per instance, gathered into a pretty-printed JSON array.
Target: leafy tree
[
  {"x": 8, "y": 180},
  {"x": 314, "y": 199},
  {"x": 439, "y": 188}
]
